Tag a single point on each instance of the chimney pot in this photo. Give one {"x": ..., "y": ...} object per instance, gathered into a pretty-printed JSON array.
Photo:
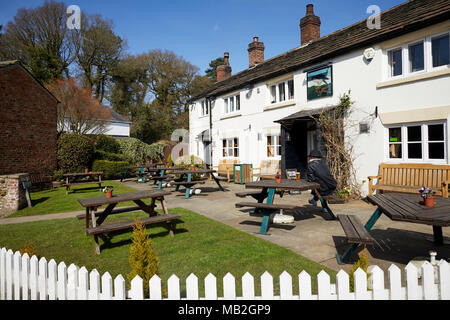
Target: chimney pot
[
  {"x": 255, "y": 52},
  {"x": 309, "y": 26},
  {"x": 224, "y": 71}
]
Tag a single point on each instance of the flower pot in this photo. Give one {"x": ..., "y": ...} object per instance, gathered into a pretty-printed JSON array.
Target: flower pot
[
  {"x": 346, "y": 198},
  {"x": 109, "y": 193},
  {"x": 278, "y": 180},
  {"x": 86, "y": 170},
  {"x": 429, "y": 201}
]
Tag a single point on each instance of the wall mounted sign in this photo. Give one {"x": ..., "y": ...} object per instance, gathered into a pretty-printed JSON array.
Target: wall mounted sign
[{"x": 320, "y": 83}]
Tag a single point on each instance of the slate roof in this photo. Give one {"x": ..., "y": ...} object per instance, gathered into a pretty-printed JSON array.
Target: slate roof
[{"x": 404, "y": 18}]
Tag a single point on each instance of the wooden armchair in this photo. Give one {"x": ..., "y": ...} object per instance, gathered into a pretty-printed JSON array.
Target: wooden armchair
[
  {"x": 225, "y": 168},
  {"x": 267, "y": 170}
]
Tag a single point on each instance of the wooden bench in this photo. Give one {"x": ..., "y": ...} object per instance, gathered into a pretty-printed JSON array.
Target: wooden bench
[
  {"x": 410, "y": 177},
  {"x": 41, "y": 182},
  {"x": 355, "y": 233},
  {"x": 102, "y": 229},
  {"x": 265, "y": 206},
  {"x": 267, "y": 169},
  {"x": 225, "y": 168}
]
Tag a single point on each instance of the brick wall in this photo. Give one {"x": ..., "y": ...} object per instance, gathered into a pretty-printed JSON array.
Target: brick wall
[
  {"x": 12, "y": 193},
  {"x": 28, "y": 130}
]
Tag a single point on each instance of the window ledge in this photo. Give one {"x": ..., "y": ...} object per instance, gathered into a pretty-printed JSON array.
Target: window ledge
[
  {"x": 280, "y": 105},
  {"x": 408, "y": 79},
  {"x": 234, "y": 115}
]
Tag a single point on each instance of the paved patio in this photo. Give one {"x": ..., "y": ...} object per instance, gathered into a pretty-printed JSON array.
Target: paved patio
[{"x": 313, "y": 235}]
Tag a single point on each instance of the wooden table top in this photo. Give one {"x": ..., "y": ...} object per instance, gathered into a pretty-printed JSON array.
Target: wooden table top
[
  {"x": 99, "y": 201},
  {"x": 150, "y": 165},
  {"x": 81, "y": 174},
  {"x": 301, "y": 185},
  {"x": 169, "y": 168},
  {"x": 407, "y": 207},
  {"x": 199, "y": 171}
]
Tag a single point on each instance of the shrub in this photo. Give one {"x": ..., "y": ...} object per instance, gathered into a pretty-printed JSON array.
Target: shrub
[
  {"x": 58, "y": 175},
  {"x": 29, "y": 248},
  {"x": 362, "y": 263},
  {"x": 110, "y": 169},
  {"x": 137, "y": 151},
  {"x": 75, "y": 152},
  {"x": 143, "y": 261},
  {"x": 107, "y": 144},
  {"x": 103, "y": 155}
]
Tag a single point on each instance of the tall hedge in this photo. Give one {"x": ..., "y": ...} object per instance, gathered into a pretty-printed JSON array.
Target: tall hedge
[
  {"x": 75, "y": 152},
  {"x": 137, "y": 151},
  {"x": 110, "y": 169},
  {"x": 107, "y": 144}
]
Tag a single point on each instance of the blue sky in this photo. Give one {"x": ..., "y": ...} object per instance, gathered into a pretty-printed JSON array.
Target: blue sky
[{"x": 202, "y": 30}]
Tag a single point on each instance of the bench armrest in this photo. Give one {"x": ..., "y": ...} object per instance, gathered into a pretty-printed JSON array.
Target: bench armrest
[
  {"x": 371, "y": 178},
  {"x": 445, "y": 185},
  {"x": 374, "y": 177}
]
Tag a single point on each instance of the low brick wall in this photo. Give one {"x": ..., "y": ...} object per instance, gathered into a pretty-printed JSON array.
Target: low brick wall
[{"x": 12, "y": 193}]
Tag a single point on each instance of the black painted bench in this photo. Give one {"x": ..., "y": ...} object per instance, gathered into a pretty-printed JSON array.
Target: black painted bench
[
  {"x": 130, "y": 224},
  {"x": 355, "y": 233}
]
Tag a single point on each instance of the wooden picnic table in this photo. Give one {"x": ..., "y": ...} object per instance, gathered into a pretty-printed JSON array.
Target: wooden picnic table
[
  {"x": 403, "y": 207},
  {"x": 141, "y": 168},
  {"x": 159, "y": 174},
  {"x": 185, "y": 179},
  {"x": 94, "y": 219},
  {"x": 75, "y": 179},
  {"x": 268, "y": 189}
]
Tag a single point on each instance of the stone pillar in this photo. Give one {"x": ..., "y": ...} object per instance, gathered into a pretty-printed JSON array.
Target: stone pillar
[{"x": 12, "y": 193}]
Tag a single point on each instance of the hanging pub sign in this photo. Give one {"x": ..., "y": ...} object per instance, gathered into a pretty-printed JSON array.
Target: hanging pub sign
[{"x": 320, "y": 83}]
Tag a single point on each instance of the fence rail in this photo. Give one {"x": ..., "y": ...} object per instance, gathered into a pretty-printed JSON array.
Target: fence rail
[{"x": 25, "y": 278}]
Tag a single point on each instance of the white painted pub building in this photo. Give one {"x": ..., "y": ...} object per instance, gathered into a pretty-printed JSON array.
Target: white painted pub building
[{"x": 398, "y": 76}]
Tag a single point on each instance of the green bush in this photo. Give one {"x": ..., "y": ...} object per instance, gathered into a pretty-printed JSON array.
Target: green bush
[
  {"x": 107, "y": 144},
  {"x": 58, "y": 175},
  {"x": 110, "y": 169},
  {"x": 137, "y": 151},
  {"x": 102, "y": 155},
  {"x": 75, "y": 152}
]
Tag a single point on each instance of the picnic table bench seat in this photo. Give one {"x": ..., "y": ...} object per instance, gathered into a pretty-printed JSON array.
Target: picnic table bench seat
[
  {"x": 265, "y": 206},
  {"x": 130, "y": 224},
  {"x": 354, "y": 230}
]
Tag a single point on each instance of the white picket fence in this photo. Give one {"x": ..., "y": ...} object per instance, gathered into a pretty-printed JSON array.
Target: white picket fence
[{"x": 25, "y": 278}]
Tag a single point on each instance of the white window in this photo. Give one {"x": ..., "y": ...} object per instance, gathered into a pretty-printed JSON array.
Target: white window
[
  {"x": 205, "y": 108},
  {"x": 273, "y": 146},
  {"x": 230, "y": 147},
  {"x": 418, "y": 142},
  {"x": 422, "y": 55},
  {"x": 281, "y": 91},
  {"x": 232, "y": 104}
]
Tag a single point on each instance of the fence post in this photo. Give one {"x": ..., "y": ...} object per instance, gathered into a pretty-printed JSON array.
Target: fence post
[
  {"x": 72, "y": 282},
  {"x": 52, "y": 279},
  {"x": 248, "y": 286},
  {"x": 412, "y": 287},
  {"x": 25, "y": 276},
  {"x": 107, "y": 287},
  {"x": 286, "y": 286},
  {"x": 395, "y": 283},
  {"x": 9, "y": 275},
  {"x": 229, "y": 287},
  {"x": 94, "y": 285},
  {"x": 323, "y": 286},
  {"x": 361, "y": 292},
  {"x": 428, "y": 285},
  {"x": 34, "y": 274},
  {"x": 16, "y": 274},
  {"x": 119, "y": 288},
  {"x": 155, "y": 288},
  {"x": 62, "y": 281},
  {"x": 192, "y": 287},
  {"x": 304, "y": 286},
  {"x": 343, "y": 286},
  {"x": 173, "y": 285},
  {"x": 444, "y": 279},
  {"x": 210, "y": 287},
  {"x": 267, "y": 286},
  {"x": 3, "y": 274},
  {"x": 137, "y": 288},
  {"x": 83, "y": 283}
]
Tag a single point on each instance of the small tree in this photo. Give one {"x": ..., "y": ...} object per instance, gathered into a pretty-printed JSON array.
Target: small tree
[{"x": 143, "y": 261}]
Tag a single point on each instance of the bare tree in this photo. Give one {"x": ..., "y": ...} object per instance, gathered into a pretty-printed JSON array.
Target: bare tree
[{"x": 78, "y": 111}]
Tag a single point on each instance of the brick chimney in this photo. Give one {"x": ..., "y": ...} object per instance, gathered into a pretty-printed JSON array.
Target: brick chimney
[
  {"x": 224, "y": 71},
  {"x": 255, "y": 52},
  {"x": 309, "y": 26}
]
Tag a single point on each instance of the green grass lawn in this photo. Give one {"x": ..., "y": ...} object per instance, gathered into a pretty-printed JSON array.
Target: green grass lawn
[
  {"x": 200, "y": 246},
  {"x": 56, "y": 200}
]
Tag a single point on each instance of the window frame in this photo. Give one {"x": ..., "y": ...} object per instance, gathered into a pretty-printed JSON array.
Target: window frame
[
  {"x": 285, "y": 84},
  {"x": 231, "y": 105},
  {"x": 424, "y": 142},
  {"x": 427, "y": 56},
  {"x": 227, "y": 147},
  {"x": 275, "y": 146},
  {"x": 204, "y": 108}
]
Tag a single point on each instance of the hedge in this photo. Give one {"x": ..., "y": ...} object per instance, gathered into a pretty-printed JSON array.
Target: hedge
[
  {"x": 107, "y": 144},
  {"x": 102, "y": 155},
  {"x": 75, "y": 152},
  {"x": 110, "y": 169}
]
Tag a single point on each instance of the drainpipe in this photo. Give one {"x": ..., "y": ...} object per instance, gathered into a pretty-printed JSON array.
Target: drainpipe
[{"x": 208, "y": 104}]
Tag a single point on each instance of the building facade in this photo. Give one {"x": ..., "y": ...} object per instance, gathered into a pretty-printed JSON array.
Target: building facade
[
  {"x": 28, "y": 113},
  {"x": 398, "y": 77}
]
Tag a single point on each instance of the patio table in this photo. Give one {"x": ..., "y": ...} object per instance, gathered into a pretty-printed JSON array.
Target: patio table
[
  {"x": 406, "y": 207},
  {"x": 186, "y": 176},
  {"x": 161, "y": 171},
  {"x": 141, "y": 170},
  {"x": 268, "y": 191},
  {"x": 75, "y": 179}
]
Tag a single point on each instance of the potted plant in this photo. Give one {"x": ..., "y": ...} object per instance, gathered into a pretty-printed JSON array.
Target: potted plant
[
  {"x": 344, "y": 194},
  {"x": 278, "y": 177},
  {"x": 108, "y": 191},
  {"x": 428, "y": 196},
  {"x": 86, "y": 170}
]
